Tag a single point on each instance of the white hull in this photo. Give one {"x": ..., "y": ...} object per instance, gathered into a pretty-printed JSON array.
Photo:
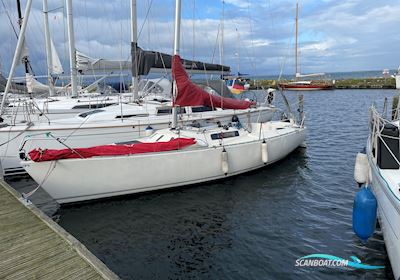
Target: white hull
[
  {"x": 385, "y": 183},
  {"x": 73, "y": 180},
  {"x": 102, "y": 132}
]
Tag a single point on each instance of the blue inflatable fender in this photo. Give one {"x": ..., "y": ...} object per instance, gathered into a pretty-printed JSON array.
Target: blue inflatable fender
[{"x": 364, "y": 213}]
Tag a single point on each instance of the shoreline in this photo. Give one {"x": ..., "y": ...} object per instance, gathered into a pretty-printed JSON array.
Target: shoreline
[{"x": 366, "y": 83}]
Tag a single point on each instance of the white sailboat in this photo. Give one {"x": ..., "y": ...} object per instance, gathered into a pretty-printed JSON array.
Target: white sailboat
[
  {"x": 178, "y": 156},
  {"x": 216, "y": 153},
  {"x": 379, "y": 169}
]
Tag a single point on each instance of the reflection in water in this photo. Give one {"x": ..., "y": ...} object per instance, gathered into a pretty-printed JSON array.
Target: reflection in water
[{"x": 251, "y": 226}]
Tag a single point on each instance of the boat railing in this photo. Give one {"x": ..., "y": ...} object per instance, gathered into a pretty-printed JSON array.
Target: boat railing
[
  {"x": 48, "y": 137},
  {"x": 23, "y": 111},
  {"x": 377, "y": 135}
]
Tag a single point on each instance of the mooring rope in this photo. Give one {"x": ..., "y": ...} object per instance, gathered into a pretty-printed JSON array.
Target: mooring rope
[{"x": 26, "y": 196}]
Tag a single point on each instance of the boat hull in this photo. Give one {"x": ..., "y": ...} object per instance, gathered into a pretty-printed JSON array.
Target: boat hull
[
  {"x": 305, "y": 87},
  {"x": 388, "y": 211},
  {"x": 76, "y": 180},
  {"x": 88, "y": 135}
]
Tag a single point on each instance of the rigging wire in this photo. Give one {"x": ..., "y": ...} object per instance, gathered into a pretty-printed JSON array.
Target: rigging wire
[
  {"x": 216, "y": 44},
  {"x": 9, "y": 18},
  {"x": 37, "y": 40},
  {"x": 145, "y": 19},
  {"x": 253, "y": 53},
  {"x": 285, "y": 57}
]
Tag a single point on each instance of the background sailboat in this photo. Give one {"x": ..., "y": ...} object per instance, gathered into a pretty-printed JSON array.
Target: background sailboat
[{"x": 305, "y": 81}]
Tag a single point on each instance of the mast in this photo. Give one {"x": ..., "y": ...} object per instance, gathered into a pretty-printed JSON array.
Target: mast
[
  {"x": 135, "y": 77},
  {"x": 222, "y": 32},
  {"x": 72, "y": 51},
  {"x": 48, "y": 48},
  {"x": 222, "y": 44},
  {"x": 25, "y": 59},
  {"x": 297, "y": 33},
  {"x": 238, "y": 52},
  {"x": 20, "y": 45},
  {"x": 194, "y": 30},
  {"x": 177, "y": 36}
]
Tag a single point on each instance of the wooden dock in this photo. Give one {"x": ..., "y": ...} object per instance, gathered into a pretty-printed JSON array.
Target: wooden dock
[{"x": 33, "y": 246}]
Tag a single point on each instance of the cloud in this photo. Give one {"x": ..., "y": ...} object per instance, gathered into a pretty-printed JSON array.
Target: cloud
[
  {"x": 238, "y": 3},
  {"x": 334, "y": 35}
]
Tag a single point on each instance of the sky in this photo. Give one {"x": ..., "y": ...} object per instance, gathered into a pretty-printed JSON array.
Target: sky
[{"x": 256, "y": 37}]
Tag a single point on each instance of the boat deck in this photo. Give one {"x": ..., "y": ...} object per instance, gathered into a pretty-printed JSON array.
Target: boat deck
[
  {"x": 32, "y": 246},
  {"x": 392, "y": 178}
]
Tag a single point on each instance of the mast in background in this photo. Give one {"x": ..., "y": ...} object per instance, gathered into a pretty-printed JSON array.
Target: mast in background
[
  {"x": 24, "y": 57},
  {"x": 135, "y": 59},
  {"x": 177, "y": 37},
  {"x": 296, "y": 47},
  {"x": 17, "y": 54},
  {"x": 237, "y": 54},
  {"x": 48, "y": 48},
  {"x": 72, "y": 51},
  {"x": 222, "y": 33}
]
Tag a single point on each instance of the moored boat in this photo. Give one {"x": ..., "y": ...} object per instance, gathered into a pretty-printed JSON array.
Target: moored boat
[
  {"x": 178, "y": 156},
  {"x": 382, "y": 175},
  {"x": 314, "y": 81},
  {"x": 306, "y": 85},
  {"x": 212, "y": 153}
]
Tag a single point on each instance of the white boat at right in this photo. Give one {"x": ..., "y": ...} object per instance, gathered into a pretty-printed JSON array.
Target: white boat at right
[{"x": 379, "y": 170}]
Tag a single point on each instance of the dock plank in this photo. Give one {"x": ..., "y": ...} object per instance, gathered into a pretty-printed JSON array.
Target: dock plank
[{"x": 32, "y": 246}]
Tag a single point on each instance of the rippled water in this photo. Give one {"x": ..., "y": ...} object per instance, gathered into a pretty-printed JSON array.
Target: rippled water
[{"x": 252, "y": 226}]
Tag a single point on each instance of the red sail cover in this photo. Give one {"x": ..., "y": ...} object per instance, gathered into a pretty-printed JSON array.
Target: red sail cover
[
  {"x": 39, "y": 155},
  {"x": 190, "y": 94}
]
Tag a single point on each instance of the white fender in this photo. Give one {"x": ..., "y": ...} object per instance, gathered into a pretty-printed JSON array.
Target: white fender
[
  {"x": 224, "y": 162},
  {"x": 264, "y": 152},
  {"x": 361, "y": 168},
  {"x": 148, "y": 131}
]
